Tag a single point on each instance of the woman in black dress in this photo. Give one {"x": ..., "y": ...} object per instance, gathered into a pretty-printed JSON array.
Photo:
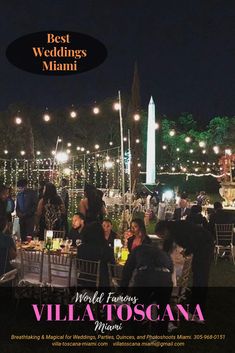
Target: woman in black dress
[
  {"x": 92, "y": 206},
  {"x": 50, "y": 211}
]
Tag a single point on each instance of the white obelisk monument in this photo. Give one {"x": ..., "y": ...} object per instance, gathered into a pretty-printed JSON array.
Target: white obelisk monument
[{"x": 151, "y": 145}]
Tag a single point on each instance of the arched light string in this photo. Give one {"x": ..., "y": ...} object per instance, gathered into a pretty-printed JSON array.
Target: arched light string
[{"x": 196, "y": 175}]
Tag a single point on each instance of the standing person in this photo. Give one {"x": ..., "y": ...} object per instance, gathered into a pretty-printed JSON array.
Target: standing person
[
  {"x": 65, "y": 198},
  {"x": 10, "y": 205},
  {"x": 139, "y": 234},
  {"x": 7, "y": 248},
  {"x": 147, "y": 274},
  {"x": 196, "y": 241},
  {"x": 95, "y": 248},
  {"x": 50, "y": 211},
  {"x": 202, "y": 198},
  {"x": 41, "y": 189},
  {"x": 26, "y": 204},
  {"x": 109, "y": 234},
  {"x": 3, "y": 203},
  {"x": 91, "y": 206}
]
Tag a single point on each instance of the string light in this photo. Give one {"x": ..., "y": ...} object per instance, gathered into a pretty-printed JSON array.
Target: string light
[
  {"x": 228, "y": 151},
  {"x": 69, "y": 144},
  {"x": 187, "y": 139},
  {"x": 5, "y": 151},
  {"x": 191, "y": 151},
  {"x": 61, "y": 157},
  {"x": 97, "y": 147},
  {"x": 38, "y": 153},
  {"x": 96, "y": 110},
  {"x": 216, "y": 149},
  {"x": 18, "y": 120},
  {"x": 110, "y": 143},
  {"x": 164, "y": 147},
  {"x": 78, "y": 148},
  {"x": 46, "y": 118},
  {"x": 73, "y": 114},
  {"x": 108, "y": 164},
  {"x": 124, "y": 139},
  {"x": 136, "y": 117},
  {"x": 177, "y": 149},
  {"x": 22, "y": 153},
  {"x": 202, "y": 144},
  {"x": 172, "y": 133},
  {"x": 193, "y": 174},
  {"x": 68, "y": 151},
  {"x": 116, "y": 106},
  {"x": 137, "y": 140},
  {"x": 82, "y": 149}
]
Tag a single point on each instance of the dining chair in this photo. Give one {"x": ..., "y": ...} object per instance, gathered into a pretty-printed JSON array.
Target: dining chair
[
  {"x": 88, "y": 273},
  {"x": 59, "y": 269},
  {"x": 56, "y": 234},
  {"x": 30, "y": 282},
  {"x": 32, "y": 265},
  {"x": 115, "y": 275},
  {"x": 223, "y": 241}
]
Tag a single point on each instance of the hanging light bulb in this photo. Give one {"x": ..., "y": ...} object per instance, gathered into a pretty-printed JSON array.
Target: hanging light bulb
[
  {"x": 46, "y": 118},
  {"x": 73, "y": 114},
  {"x": 96, "y": 110}
]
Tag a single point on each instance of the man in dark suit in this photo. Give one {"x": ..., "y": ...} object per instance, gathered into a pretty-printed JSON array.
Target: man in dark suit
[
  {"x": 182, "y": 211},
  {"x": 26, "y": 204}
]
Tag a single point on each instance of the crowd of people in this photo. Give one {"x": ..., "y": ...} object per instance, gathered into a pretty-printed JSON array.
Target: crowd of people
[{"x": 147, "y": 266}]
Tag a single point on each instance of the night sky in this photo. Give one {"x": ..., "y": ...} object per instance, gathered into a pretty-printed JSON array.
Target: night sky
[{"x": 185, "y": 52}]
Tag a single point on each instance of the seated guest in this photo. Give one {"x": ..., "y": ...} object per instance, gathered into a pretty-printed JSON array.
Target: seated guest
[
  {"x": 109, "y": 234},
  {"x": 182, "y": 211},
  {"x": 196, "y": 217},
  {"x": 78, "y": 224},
  {"x": 7, "y": 248},
  {"x": 95, "y": 248},
  {"x": 220, "y": 216},
  {"x": 139, "y": 234}
]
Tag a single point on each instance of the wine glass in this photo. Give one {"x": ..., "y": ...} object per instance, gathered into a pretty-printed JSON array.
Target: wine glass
[
  {"x": 69, "y": 242},
  {"x": 78, "y": 242},
  {"x": 62, "y": 244}
]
